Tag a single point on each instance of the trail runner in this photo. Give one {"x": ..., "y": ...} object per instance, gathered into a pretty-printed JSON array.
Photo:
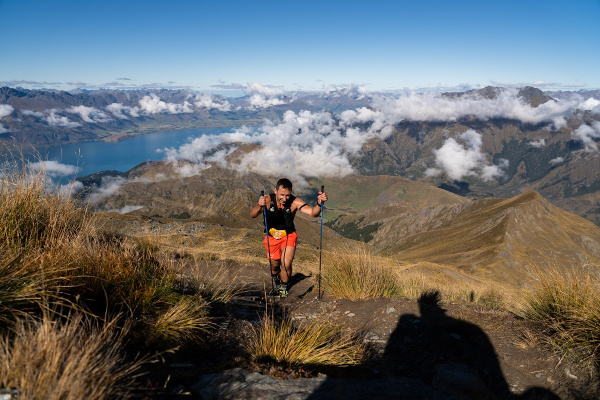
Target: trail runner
[{"x": 281, "y": 207}]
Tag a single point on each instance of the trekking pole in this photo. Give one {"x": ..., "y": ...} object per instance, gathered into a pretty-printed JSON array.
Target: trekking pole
[
  {"x": 320, "y": 245},
  {"x": 262, "y": 194}
]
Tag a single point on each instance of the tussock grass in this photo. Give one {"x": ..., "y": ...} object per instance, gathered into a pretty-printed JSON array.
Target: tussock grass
[
  {"x": 319, "y": 342},
  {"x": 77, "y": 359},
  {"x": 355, "y": 273},
  {"x": 567, "y": 306},
  {"x": 51, "y": 252},
  {"x": 184, "y": 321}
]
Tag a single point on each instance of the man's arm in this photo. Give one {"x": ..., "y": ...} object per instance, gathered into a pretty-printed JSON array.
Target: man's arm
[
  {"x": 258, "y": 208},
  {"x": 312, "y": 211}
]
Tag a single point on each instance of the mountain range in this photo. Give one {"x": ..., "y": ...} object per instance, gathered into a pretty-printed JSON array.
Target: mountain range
[{"x": 556, "y": 156}]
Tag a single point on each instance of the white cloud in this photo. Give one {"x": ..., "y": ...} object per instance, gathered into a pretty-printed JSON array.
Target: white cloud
[
  {"x": 591, "y": 104},
  {"x": 70, "y": 188},
  {"x": 587, "y": 134},
  {"x": 538, "y": 143},
  {"x": 556, "y": 161},
  {"x": 54, "y": 168},
  {"x": 152, "y": 104},
  {"x": 117, "y": 110},
  {"x": 108, "y": 186},
  {"x": 32, "y": 113},
  {"x": 263, "y": 96},
  {"x": 5, "y": 110},
  {"x": 459, "y": 160},
  {"x": 507, "y": 104},
  {"x": 89, "y": 114},
  {"x": 56, "y": 120},
  {"x": 126, "y": 209},
  {"x": 206, "y": 101}
]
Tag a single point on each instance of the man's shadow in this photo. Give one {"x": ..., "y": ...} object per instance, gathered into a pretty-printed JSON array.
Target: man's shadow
[{"x": 446, "y": 355}]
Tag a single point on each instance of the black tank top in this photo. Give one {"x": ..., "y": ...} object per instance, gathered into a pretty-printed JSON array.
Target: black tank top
[{"x": 281, "y": 219}]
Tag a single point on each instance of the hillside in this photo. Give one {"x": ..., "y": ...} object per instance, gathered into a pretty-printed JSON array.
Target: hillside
[{"x": 500, "y": 239}]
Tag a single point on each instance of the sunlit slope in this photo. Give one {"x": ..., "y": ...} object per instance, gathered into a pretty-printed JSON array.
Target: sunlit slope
[
  {"x": 498, "y": 238},
  {"x": 354, "y": 193}
]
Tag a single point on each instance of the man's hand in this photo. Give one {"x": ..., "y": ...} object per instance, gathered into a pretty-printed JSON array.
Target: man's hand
[
  {"x": 262, "y": 201},
  {"x": 260, "y": 205},
  {"x": 321, "y": 198}
]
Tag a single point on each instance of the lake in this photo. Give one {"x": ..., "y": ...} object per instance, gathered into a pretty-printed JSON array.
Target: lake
[{"x": 94, "y": 157}]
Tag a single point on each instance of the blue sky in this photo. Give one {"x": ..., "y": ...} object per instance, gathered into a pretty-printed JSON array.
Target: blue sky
[{"x": 308, "y": 45}]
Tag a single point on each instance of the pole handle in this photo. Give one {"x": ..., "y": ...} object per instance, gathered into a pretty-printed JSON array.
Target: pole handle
[
  {"x": 322, "y": 188},
  {"x": 262, "y": 193}
]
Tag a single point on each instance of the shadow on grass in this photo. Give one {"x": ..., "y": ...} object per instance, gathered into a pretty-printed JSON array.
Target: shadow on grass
[{"x": 429, "y": 356}]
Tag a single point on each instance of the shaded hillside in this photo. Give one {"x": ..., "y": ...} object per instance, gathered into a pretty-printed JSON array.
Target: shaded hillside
[{"x": 502, "y": 239}]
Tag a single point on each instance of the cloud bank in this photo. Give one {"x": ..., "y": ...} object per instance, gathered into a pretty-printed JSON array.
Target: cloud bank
[
  {"x": 206, "y": 101},
  {"x": 117, "y": 109},
  {"x": 57, "y": 120},
  {"x": 152, "y": 104},
  {"x": 435, "y": 107},
  {"x": 304, "y": 144},
  {"x": 89, "y": 114}
]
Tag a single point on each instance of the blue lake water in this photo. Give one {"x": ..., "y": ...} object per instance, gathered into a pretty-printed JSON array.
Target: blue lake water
[{"x": 94, "y": 157}]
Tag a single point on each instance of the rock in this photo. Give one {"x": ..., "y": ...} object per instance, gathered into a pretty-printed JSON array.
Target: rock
[
  {"x": 238, "y": 384},
  {"x": 390, "y": 310},
  {"x": 459, "y": 380}
]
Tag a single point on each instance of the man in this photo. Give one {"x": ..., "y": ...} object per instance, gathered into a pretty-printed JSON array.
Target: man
[{"x": 280, "y": 241}]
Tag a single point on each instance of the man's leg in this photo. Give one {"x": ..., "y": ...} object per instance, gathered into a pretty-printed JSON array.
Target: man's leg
[
  {"x": 288, "y": 254},
  {"x": 287, "y": 258},
  {"x": 273, "y": 247}
]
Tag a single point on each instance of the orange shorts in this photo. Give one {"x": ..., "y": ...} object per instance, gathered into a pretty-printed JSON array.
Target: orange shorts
[{"x": 275, "y": 246}]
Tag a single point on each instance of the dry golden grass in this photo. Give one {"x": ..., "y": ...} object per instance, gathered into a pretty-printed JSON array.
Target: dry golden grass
[
  {"x": 453, "y": 286},
  {"x": 355, "y": 273},
  {"x": 567, "y": 305},
  {"x": 52, "y": 253},
  {"x": 74, "y": 360},
  {"x": 319, "y": 342},
  {"x": 183, "y": 322}
]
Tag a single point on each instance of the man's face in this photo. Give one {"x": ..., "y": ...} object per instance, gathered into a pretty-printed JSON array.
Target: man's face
[{"x": 282, "y": 195}]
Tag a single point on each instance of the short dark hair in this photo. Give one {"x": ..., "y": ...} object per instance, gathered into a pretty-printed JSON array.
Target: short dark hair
[{"x": 284, "y": 183}]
